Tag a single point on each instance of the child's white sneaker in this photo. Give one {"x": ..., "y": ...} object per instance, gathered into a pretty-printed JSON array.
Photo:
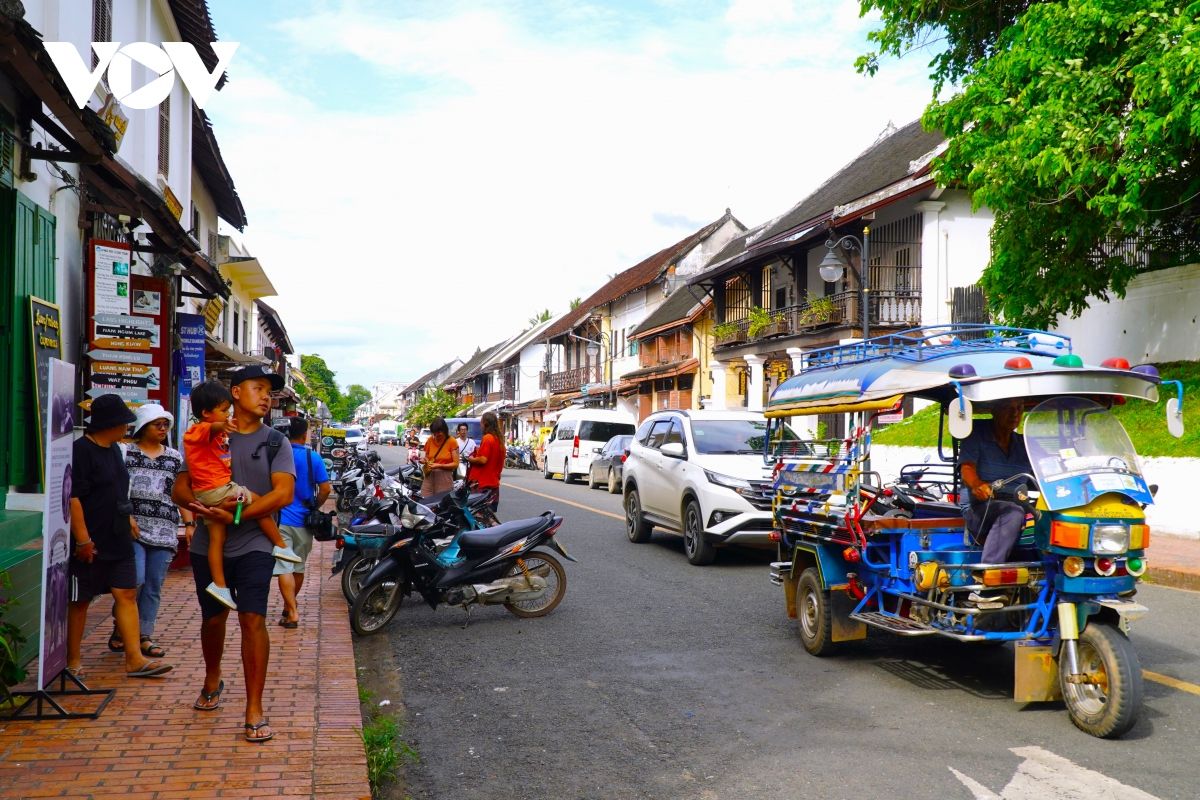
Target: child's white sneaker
[
  {"x": 287, "y": 554},
  {"x": 221, "y": 593}
]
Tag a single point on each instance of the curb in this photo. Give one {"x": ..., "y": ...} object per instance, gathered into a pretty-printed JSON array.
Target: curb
[{"x": 1173, "y": 578}]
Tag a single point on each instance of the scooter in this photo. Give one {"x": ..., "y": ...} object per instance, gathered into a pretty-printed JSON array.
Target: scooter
[{"x": 506, "y": 565}]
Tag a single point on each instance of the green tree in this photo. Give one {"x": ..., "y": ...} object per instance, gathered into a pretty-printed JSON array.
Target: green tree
[
  {"x": 575, "y": 303},
  {"x": 539, "y": 317},
  {"x": 1077, "y": 125},
  {"x": 319, "y": 379},
  {"x": 438, "y": 403},
  {"x": 354, "y": 397}
]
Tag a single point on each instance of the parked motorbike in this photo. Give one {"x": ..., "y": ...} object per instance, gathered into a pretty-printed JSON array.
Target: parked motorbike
[
  {"x": 360, "y": 545},
  {"x": 507, "y": 565}
]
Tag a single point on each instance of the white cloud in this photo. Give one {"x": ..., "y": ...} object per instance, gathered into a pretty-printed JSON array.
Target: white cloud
[{"x": 412, "y": 230}]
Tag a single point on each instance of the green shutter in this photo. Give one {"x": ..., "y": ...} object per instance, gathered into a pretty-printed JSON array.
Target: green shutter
[{"x": 29, "y": 271}]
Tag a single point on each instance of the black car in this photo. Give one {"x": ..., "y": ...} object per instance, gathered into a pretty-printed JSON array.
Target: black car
[{"x": 608, "y": 463}]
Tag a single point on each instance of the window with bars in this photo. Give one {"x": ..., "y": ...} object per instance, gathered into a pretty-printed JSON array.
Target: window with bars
[
  {"x": 164, "y": 138},
  {"x": 737, "y": 299},
  {"x": 101, "y": 25},
  {"x": 213, "y": 243}
]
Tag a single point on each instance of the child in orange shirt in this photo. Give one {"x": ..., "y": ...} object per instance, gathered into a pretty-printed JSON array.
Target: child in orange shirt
[{"x": 206, "y": 449}]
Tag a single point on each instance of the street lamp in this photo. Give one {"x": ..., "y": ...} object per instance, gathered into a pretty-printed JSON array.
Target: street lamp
[
  {"x": 832, "y": 266},
  {"x": 593, "y": 351}
]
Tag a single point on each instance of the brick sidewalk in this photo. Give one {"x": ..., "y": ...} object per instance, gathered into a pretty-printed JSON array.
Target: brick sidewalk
[{"x": 150, "y": 744}]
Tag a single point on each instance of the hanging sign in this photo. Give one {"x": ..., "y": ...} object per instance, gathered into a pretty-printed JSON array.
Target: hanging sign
[
  {"x": 132, "y": 376},
  {"x": 124, "y": 356},
  {"x": 46, "y": 329},
  {"x": 125, "y": 332},
  {"x": 190, "y": 328},
  {"x": 56, "y": 519},
  {"x": 110, "y": 277}
]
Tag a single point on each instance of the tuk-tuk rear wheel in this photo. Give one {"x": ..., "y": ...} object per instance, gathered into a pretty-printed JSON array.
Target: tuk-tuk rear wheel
[
  {"x": 812, "y": 613},
  {"x": 1108, "y": 704}
]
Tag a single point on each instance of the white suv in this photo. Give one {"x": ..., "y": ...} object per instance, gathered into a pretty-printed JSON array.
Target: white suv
[{"x": 702, "y": 474}]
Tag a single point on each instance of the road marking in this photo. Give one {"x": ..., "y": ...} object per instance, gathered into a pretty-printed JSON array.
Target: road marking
[
  {"x": 558, "y": 499},
  {"x": 1046, "y": 776},
  {"x": 1174, "y": 683}
]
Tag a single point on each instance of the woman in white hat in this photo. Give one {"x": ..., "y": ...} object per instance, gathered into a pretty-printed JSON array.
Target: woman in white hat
[{"x": 152, "y": 468}]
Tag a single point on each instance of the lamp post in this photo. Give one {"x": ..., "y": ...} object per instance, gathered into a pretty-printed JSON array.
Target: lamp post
[
  {"x": 593, "y": 351},
  {"x": 832, "y": 266}
]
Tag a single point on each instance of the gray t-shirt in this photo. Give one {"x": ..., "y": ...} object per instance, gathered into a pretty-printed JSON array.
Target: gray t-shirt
[{"x": 252, "y": 473}]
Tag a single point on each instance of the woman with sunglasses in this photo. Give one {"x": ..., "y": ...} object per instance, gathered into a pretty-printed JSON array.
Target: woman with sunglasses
[{"x": 152, "y": 468}]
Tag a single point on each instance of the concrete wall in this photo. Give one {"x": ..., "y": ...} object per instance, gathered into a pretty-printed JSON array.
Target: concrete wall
[
  {"x": 1171, "y": 513},
  {"x": 1157, "y": 321}
]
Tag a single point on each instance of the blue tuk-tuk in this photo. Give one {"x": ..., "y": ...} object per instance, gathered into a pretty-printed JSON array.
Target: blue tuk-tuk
[{"x": 855, "y": 553}]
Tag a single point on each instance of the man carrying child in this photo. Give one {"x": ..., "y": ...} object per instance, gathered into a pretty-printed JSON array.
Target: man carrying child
[{"x": 260, "y": 466}]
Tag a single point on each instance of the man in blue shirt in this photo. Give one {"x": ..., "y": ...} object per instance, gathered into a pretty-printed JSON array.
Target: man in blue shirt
[
  {"x": 310, "y": 469},
  {"x": 993, "y": 452}
]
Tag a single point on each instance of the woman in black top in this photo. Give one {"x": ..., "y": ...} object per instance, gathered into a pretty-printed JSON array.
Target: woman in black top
[{"x": 103, "y": 530}]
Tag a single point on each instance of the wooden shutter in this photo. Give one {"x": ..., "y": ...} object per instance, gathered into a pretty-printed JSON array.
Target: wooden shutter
[
  {"x": 7, "y": 149},
  {"x": 28, "y": 269},
  {"x": 164, "y": 138},
  {"x": 101, "y": 24}
]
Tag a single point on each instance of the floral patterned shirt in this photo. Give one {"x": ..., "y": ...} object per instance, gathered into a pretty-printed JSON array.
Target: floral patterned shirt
[{"x": 150, "y": 483}]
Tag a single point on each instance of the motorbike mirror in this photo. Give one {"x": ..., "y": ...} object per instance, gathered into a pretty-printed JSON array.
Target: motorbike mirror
[
  {"x": 1154, "y": 490},
  {"x": 959, "y": 417},
  {"x": 1174, "y": 418}
]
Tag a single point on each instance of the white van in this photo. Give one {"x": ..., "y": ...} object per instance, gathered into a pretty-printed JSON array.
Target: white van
[{"x": 577, "y": 434}]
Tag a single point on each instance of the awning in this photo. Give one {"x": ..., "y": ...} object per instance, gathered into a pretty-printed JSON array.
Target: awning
[
  {"x": 220, "y": 356},
  {"x": 663, "y": 370}
]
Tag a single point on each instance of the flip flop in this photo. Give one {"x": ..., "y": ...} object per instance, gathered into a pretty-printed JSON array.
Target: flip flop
[
  {"x": 287, "y": 623},
  {"x": 115, "y": 645},
  {"x": 151, "y": 669},
  {"x": 150, "y": 649},
  {"x": 252, "y": 734},
  {"x": 208, "y": 697}
]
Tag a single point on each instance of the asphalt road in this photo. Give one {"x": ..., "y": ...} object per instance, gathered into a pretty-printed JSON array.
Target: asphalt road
[{"x": 656, "y": 679}]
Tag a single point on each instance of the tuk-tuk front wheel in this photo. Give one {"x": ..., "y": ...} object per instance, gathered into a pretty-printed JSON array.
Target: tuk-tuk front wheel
[
  {"x": 1109, "y": 700},
  {"x": 812, "y": 613}
]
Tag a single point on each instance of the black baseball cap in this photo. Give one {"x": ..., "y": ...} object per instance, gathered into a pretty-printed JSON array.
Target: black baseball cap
[{"x": 253, "y": 371}]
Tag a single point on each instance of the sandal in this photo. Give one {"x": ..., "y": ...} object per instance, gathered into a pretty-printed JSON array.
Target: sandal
[
  {"x": 115, "y": 645},
  {"x": 150, "y": 649},
  {"x": 253, "y": 735},
  {"x": 209, "y": 697},
  {"x": 151, "y": 669}
]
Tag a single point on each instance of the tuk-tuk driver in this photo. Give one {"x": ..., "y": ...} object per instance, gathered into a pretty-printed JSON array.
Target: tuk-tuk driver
[{"x": 993, "y": 452}]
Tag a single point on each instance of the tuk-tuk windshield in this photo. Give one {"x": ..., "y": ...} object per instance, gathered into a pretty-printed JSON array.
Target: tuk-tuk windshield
[{"x": 1073, "y": 438}]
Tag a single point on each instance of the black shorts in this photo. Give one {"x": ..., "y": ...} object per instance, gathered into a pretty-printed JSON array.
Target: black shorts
[
  {"x": 248, "y": 578},
  {"x": 99, "y": 577}
]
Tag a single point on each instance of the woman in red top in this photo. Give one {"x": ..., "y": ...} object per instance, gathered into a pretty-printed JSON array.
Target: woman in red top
[{"x": 488, "y": 459}]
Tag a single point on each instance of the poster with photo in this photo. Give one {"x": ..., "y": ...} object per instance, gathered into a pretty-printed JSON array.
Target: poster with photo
[
  {"x": 56, "y": 521},
  {"x": 110, "y": 277},
  {"x": 147, "y": 302}
]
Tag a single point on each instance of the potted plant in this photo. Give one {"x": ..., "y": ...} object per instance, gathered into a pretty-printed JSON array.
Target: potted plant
[
  {"x": 820, "y": 311},
  {"x": 728, "y": 333}
]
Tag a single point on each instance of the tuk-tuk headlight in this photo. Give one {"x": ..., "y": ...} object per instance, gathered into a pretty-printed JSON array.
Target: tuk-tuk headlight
[{"x": 1110, "y": 539}]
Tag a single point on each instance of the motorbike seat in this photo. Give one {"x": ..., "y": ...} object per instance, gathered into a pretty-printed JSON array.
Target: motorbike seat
[
  {"x": 933, "y": 508},
  {"x": 393, "y": 472},
  {"x": 500, "y": 535},
  {"x": 376, "y": 528}
]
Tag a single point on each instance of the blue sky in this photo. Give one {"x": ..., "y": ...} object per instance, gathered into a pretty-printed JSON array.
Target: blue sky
[{"x": 508, "y": 156}]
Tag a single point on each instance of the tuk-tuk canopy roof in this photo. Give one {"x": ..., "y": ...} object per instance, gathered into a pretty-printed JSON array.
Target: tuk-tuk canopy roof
[{"x": 989, "y": 363}]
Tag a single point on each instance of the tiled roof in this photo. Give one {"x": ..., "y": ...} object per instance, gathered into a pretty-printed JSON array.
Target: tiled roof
[
  {"x": 883, "y": 163},
  {"x": 428, "y": 376},
  {"x": 679, "y": 306},
  {"x": 206, "y": 155},
  {"x": 633, "y": 278}
]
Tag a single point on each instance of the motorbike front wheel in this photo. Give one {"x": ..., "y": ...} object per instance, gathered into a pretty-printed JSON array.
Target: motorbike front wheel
[
  {"x": 354, "y": 573},
  {"x": 1107, "y": 705},
  {"x": 374, "y": 607},
  {"x": 549, "y": 568}
]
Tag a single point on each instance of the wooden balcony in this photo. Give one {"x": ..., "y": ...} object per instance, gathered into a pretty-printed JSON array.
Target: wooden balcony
[{"x": 572, "y": 379}]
